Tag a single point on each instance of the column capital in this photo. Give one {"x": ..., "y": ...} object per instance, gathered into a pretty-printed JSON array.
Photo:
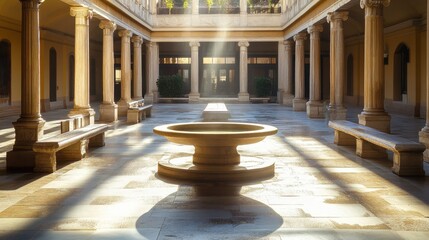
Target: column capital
[
  {"x": 316, "y": 28},
  {"x": 137, "y": 40},
  {"x": 336, "y": 16},
  {"x": 194, "y": 44},
  {"x": 374, "y": 3},
  {"x": 300, "y": 37},
  {"x": 107, "y": 24},
  {"x": 81, "y": 12},
  {"x": 243, "y": 44},
  {"x": 125, "y": 33},
  {"x": 32, "y": 2},
  {"x": 288, "y": 44},
  {"x": 149, "y": 44}
]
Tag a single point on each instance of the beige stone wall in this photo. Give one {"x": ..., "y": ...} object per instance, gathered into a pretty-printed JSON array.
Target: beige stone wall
[{"x": 14, "y": 37}]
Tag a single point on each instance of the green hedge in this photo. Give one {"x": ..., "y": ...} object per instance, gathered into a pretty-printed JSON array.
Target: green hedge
[
  {"x": 170, "y": 86},
  {"x": 263, "y": 86}
]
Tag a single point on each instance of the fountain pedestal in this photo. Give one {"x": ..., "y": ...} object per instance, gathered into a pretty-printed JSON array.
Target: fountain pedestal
[{"x": 216, "y": 158}]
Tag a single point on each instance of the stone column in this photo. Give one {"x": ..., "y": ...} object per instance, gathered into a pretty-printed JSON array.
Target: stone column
[
  {"x": 155, "y": 65},
  {"x": 81, "y": 83},
  {"x": 125, "y": 71},
  {"x": 373, "y": 114},
  {"x": 315, "y": 105},
  {"x": 195, "y": 6},
  {"x": 336, "y": 109},
  {"x": 243, "y": 7},
  {"x": 243, "y": 95},
  {"x": 108, "y": 108},
  {"x": 194, "y": 95},
  {"x": 281, "y": 56},
  {"x": 29, "y": 127},
  {"x": 148, "y": 97},
  {"x": 287, "y": 95},
  {"x": 299, "y": 101},
  {"x": 137, "y": 69},
  {"x": 424, "y": 133}
]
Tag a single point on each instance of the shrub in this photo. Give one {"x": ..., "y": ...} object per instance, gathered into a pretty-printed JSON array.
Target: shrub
[
  {"x": 263, "y": 86},
  {"x": 170, "y": 85}
]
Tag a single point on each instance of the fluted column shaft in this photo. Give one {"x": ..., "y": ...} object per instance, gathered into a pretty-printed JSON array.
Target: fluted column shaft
[
  {"x": 314, "y": 105},
  {"x": 137, "y": 70},
  {"x": 155, "y": 66},
  {"x": 373, "y": 114},
  {"x": 424, "y": 132},
  {"x": 299, "y": 100},
  {"x": 288, "y": 97},
  {"x": 281, "y": 56},
  {"x": 194, "y": 94},
  {"x": 29, "y": 127},
  {"x": 81, "y": 88},
  {"x": 243, "y": 95},
  {"x": 108, "y": 61},
  {"x": 149, "y": 72},
  {"x": 108, "y": 108},
  {"x": 125, "y": 65}
]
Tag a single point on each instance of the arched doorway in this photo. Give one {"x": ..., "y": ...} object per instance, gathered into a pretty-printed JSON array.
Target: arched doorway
[
  {"x": 52, "y": 75},
  {"x": 400, "y": 81},
  {"x": 5, "y": 72}
]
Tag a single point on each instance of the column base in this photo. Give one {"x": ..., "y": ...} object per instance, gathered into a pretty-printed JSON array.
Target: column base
[
  {"x": 122, "y": 108},
  {"x": 88, "y": 115},
  {"x": 148, "y": 98},
  {"x": 280, "y": 94},
  {"x": 424, "y": 139},
  {"x": 379, "y": 122},
  {"x": 27, "y": 132},
  {"x": 299, "y": 105},
  {"x": 336, "y": 113},
  {"x": 288, "y": 99},
  {"x": 315, "y": 109},
  {"x": 108, "y": 112},
  {"x": 155, "y": 96},
  {"x": 194, "y": 97},
  {"x": 243, "y": 97}
]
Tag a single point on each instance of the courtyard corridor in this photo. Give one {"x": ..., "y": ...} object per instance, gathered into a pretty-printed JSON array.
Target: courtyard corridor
[{"x": 319, "y": 191}]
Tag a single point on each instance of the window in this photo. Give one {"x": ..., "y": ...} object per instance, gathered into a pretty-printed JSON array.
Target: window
[{"x": 175, "y": 60}]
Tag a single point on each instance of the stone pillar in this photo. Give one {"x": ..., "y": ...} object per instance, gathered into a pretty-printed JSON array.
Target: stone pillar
[
  {"x": 108, "y": 108},
  {"x": 373, "y": 114},
  {"x": 155, "y": 65},
  {"x": 195, "y": 6},
  {"x": 148, "y": 97},
  {"x": 287, "y": 95},
  {"x": 424, "y": 133},
  {"x": 243, "y": 7},
  {"x": 194, "y": 95},
  {"x": 137, "y": 69},
  {"x": 336, "y": 109},
  {"x": 29, "y": 127},
  {"x": 299, "y": 101},
  {"x": 243, "y": 95},
  {"x": 281, "y": 56},
  {"x": 315, "y": 105},
  {"x": 81, "y": 83},
  {"x": 125, "y": 71}
]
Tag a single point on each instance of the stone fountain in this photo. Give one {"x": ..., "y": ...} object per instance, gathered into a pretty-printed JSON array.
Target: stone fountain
[{"x": 216, "y": 158}]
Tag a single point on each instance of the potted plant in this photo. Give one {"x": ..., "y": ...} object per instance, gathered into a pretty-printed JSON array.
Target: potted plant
[
  {"x": 209, "y": 5},
  {"x": 169, "y": 4}
]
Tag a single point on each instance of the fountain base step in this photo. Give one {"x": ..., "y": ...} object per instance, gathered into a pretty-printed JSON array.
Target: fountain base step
[{"x": 249, "y": 169}]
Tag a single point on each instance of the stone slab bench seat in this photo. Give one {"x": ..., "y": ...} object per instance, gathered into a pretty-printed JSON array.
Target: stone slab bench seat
[
  {"x": 139, "y": 113},
  {"x": 259, "y": 100},
  {"x": 407, "y": 154},
  {"x": 69, "y": 146},
  {"x": 216, "y": 112}
]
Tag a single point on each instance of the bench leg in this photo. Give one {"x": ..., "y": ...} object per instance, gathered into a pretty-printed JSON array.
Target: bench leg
[
  {"x": 408, "y": 164},
  {"x": 149, "y": 113},
  {"x": 97, "y": 141},
  {"x": 45, "y": 162},
  {"x": 74, "y": 152},
  {"x": 343, "y": 139},
  {"x": 133, "y": 116},
  {"x": 365, "y": 149}
]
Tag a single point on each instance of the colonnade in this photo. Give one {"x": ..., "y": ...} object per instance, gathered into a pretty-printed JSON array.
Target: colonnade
[{"x": 373, "y": 114}]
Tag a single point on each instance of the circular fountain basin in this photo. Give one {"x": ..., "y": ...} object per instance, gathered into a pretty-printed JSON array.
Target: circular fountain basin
[{"x": 216, "y": 157}]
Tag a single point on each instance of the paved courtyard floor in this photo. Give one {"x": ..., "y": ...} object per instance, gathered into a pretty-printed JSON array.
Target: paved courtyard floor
[{"x": 319, "y": 191}]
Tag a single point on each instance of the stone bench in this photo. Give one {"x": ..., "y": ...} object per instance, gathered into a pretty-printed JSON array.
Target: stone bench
[
  {"x": 216, "y": 112},
  {"x": 139, "y": 113},
  {"x": 370, "y": 143},
  {"x": 72, "y": 123},
  {"x": 69, "y": 146},
  {"x": 259, "y": 100}
]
